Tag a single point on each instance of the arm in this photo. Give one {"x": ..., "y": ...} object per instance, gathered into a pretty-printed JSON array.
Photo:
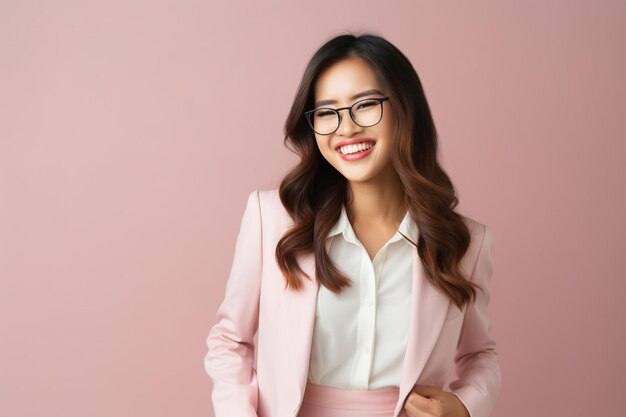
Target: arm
[
  {"x": 231, "y": 347},
  {"x": 477, "y": 367}
]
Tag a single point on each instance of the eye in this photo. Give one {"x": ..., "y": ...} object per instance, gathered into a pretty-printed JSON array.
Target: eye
[
  {"x": 365, "y": 104},
  {"x": 323, "y": 113}
]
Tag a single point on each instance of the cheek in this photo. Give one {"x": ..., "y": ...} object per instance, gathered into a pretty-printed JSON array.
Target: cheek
[
  {"x": 321, "y": 144},
  {"x": 388, "y": 131},
  {"x": 323, "y": 147},
  {"x": 388, "y": 124}
]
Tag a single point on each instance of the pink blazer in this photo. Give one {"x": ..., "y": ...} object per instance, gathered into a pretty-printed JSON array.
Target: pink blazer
[{"x": 264, "y": 374}]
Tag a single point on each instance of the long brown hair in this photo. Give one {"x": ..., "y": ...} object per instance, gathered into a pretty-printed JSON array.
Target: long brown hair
[{"x": 313, "y": 191}]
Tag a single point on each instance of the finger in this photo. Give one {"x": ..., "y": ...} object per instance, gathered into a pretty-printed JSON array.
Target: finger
[
  {"x": 414, "y": 411},
  {"x": 427, "y": 391}
]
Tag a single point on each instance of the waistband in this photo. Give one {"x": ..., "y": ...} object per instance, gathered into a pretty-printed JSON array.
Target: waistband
[{"x": 352, "y": 399}]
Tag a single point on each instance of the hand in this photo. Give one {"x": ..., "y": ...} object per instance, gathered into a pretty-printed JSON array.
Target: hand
[{"x": 429, "y": 401}]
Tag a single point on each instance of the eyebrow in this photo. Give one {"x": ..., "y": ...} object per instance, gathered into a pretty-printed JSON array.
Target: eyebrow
[{"x": 369, "y": 92}]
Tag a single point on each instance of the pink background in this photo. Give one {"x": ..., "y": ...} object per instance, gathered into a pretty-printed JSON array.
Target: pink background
[{"x": 131, "y": 134}]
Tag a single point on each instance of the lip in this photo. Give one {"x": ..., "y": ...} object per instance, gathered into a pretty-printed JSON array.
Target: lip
[
  {"x": 352, "y": 141},
  {"x": 356, "y": 156}
]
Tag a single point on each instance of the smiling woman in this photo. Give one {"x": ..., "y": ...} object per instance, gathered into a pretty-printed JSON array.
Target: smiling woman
[
  {"x": 364, "y": 285},
  {"x": 340, "y": 81}
]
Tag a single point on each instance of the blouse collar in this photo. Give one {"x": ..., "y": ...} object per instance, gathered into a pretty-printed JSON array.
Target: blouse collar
[{"x": 408, "y": 227}]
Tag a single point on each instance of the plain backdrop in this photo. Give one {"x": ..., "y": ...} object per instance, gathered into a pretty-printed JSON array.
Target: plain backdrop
[{"x": 131, "y": 133}]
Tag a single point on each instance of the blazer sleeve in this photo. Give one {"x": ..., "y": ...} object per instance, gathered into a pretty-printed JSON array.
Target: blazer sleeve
[
  {"x": 231, "y": 347},
  {"x": 476, "y": 361}
]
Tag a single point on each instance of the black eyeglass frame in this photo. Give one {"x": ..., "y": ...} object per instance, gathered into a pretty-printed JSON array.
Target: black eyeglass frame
[{"x": 307, "y": 114}]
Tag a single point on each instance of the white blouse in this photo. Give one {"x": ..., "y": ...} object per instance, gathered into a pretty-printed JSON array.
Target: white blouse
[{"x": 360, "y": 336}]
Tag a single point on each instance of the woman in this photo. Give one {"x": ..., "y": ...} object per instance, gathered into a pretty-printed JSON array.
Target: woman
[{"x": 355, "y": 287}]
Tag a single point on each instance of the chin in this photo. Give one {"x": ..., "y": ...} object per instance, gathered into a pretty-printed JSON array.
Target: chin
[{"x": 358, "y": 178}]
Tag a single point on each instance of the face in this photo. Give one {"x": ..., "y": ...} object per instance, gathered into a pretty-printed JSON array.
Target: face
[{"x": 340, "y": 83}]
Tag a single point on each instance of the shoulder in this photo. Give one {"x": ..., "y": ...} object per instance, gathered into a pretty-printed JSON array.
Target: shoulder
[
  {"x": 481, "y": 240},
  {"x": 270, "y": 199},
  {"x": 476, "y": 228},
  {"x": 269, "y": 205}
]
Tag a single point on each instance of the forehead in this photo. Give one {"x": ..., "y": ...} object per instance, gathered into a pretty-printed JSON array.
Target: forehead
[{"x": 344, "y": 79}]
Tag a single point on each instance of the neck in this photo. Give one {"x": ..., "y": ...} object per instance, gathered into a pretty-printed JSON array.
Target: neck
[{"x": 380, "y": 200}]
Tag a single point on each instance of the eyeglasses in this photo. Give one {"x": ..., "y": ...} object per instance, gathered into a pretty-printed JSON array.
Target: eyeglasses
[{"x": 365, "y": 113}]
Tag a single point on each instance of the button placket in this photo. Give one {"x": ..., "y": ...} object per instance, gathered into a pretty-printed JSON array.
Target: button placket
[
  {"x": 366, "y": 321},
  {"x": 342, "y": 351}
]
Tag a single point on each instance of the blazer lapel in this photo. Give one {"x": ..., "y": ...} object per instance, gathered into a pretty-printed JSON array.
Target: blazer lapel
[
  {"x": 297, "y": 320},
  {"x": 296, "y": 324},
  {"x": 428, "y": 313}
]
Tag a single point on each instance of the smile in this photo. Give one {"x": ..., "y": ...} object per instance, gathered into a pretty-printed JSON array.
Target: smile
[{"x": 355, "y": 152}]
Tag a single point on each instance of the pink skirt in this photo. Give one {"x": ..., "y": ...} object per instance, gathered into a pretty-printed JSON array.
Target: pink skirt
[{"x": 322, "y": 401}]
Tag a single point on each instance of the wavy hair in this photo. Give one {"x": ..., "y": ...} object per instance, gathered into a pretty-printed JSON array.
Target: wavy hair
[{"x": 313, "y": 191}]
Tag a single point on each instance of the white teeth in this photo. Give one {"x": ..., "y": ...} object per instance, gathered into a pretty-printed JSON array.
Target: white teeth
[{"x": 348, "y": 149}]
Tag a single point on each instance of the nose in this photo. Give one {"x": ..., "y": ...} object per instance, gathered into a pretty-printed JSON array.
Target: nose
[{"x": 346, "y": 124}]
